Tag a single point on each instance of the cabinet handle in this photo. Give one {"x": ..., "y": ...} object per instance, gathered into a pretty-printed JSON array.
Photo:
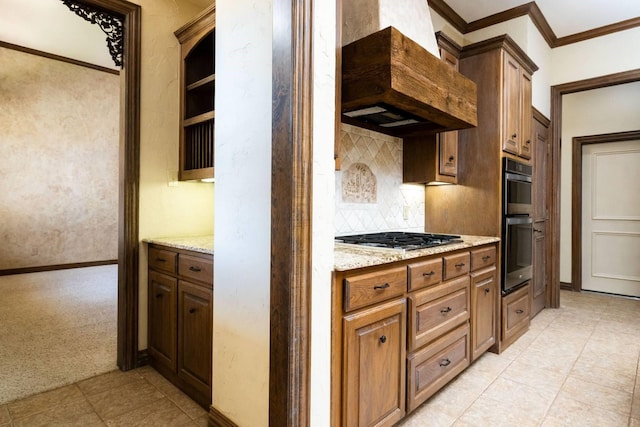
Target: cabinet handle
[
  {"x": 514, "y": 136},
  {"x": 487, "y": 290},
  {"x": 460, "y": 265},
  {"x": 519, "y": 311},
  {"x": 192, "y": 310},
  {"x": 445, "y": 310},
  {"x": 486, "y": 258},
  {"x": 445, "y": 362},
  {"x": 537, "y": 230},
  {"x": 429, "y": 274},
  {"x": 195, "y": 268},
  {"x": 379, "y": 287},
  {"x": 161, "y": 260},
  {"x": 383, "y": 339},
  {"x": 159, "y": 295}
]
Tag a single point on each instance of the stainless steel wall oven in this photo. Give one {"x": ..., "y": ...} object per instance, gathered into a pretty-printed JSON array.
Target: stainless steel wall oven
[{"x": 517, "y": 225}]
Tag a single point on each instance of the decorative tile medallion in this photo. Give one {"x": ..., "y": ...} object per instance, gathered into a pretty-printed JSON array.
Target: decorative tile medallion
[{"x": 359, "y": 184}]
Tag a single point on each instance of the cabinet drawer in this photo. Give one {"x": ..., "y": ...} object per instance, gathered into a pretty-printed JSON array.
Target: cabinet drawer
[
  {"x": 200, "y": 269},
  {"x": 456, "y": 265},
  {"x": 425, "y": 273},
  {"x": 437, "y": 310},
  {"x": 429, "y": 369},
  {"x": 160, "y": 259},
  {"x": 515, "y": 313},
  {"x": 483, "y": 258},
  {"x": 368, "y": 288}
]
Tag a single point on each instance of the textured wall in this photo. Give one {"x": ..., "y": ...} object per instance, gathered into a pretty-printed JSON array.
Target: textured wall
[
  {"x": 393, "y": 205},
  {"x": 59, "y": 127}
]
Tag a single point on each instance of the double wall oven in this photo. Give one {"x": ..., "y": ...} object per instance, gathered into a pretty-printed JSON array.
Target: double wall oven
[{"x": 517, "y": 224}]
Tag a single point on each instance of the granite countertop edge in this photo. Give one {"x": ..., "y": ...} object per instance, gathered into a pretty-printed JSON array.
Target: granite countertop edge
[
  {"x": 201, "y": 244},
  {"x": 351, "y": 257}
]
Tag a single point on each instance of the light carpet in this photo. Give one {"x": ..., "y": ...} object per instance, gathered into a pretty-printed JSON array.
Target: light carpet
[{"x": 56, "y": 328}]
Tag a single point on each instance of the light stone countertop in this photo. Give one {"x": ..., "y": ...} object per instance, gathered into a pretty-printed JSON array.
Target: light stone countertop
[
  {"x": 349, "y": 257},
  {"x": 202, "y": 244}
]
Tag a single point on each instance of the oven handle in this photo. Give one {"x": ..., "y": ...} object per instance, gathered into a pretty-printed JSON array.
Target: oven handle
[
  {"x": 518, "y": 220},
  {"x": 517, "y": 177}
]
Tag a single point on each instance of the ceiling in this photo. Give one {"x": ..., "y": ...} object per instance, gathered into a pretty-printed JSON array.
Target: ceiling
[{"x": 566, "y": 17}]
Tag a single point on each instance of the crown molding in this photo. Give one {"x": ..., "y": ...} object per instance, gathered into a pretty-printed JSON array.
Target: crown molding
[{"x": 532, "y": 10}]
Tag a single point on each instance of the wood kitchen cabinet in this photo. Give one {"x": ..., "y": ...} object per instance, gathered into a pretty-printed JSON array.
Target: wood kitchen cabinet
[
  {"x": 197, "y": 93},
  {"x": 180, "y": 319},
  {"x": 516, "y": 314},
  {"x": 434, "y": 157},
  {"x": 484, "y": 300},
  {"x": 516, "y": 135}
]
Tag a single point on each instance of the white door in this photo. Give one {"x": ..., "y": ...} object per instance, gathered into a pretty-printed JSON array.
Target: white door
[{"x": 611, "y": 217}]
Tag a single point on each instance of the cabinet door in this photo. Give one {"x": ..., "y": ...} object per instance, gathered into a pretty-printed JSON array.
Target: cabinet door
[
  {"x": 162, "y": 319},
  {"x": 374, "y": 365},
  {"x": 448, "y": 152},
  {"x": 539, "y": 268},
  {"x": 195, "y": 318},
  {"x": 483, "y": 302},
  {"x": 511, "y": 105},
  {"x": 524, "y": 146}
]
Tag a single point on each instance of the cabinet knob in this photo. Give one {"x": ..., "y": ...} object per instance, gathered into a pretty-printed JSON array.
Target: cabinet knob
[
  {"x": 487, "y": 290},
  {"x": 429, "y": 274},
  {"x": 445, "y": 362},
  {"x": 195, "y": 268},
  {"x": 519, "y": 311},
  {"x": 192, "y": 310},
  {"x": 383, "y": 339},
  {"x": 159, "y": 295},
  {"x": 380, "y": 287},
  {"x": 451, "y": 159},
  {"x": 445, "y": 310},
  {"x": 528, "y": 141},
  {"x": 514, "y": 136},
  {"x": 460, "y": 265}
]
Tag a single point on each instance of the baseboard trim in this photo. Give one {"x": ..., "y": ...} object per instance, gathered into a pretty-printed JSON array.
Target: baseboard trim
[
  {"x": 566, "y": 286},
  {"x": 143, "y": 358},
  {"x": 26, "y": 270},
  {"x": 217, "y": 419}
]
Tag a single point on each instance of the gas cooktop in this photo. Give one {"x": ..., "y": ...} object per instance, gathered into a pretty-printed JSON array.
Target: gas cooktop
[{"x": 399, "y": 240}]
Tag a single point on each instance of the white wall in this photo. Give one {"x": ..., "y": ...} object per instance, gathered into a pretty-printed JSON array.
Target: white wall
[
  {"x": 243, "y": 211},
  {"x": 593, "y": 112}
]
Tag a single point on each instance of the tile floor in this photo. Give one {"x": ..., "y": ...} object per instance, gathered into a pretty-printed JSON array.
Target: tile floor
[
  {"x": 141, "y": 397},
  {"x": 577, "y": 366}
]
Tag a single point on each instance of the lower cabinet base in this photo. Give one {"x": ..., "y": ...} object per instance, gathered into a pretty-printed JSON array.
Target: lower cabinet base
[{"x": 200, "y": 398}]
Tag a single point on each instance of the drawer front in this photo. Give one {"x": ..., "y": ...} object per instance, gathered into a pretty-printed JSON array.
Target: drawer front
[
  {"x": 160, "y": 259},
  {"x": 436, "y": 311},
  {"x": 366, "y": 289},
  {"x": 456, "y": 265},
  {"x": 517, "y": 311},
  {"x": 430, "y": 369},
  {"x": 195, "y": 268},
  {"x": 481, "y": 258},
  {"x": 424, "y": 274}
]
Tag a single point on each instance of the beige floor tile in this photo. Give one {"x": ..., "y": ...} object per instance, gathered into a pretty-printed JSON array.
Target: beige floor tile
[
  {"x": 558, "y": 363},
  {"x": 541, "y": 378},
  {"x": 635, "y": 404},
  {"x": 159, "y": 413},
  {"x": 202, "y": 421},
  {"x": 184, "y": 402},
  {"x": 5, "y": 418},
  {"x": 489, "y": 366},
  {"x": 107, "y": 381},
  {"x": 457, "y": 396},
  {"x": 426, "y": 415},
  {"x": 597, "y": 395},
  {"x": 43, "y": 401},
  {"x": 634, "y": 422},
  {"x": 568, "y": 412},
  {"x": 120, "y": 400},
  {"x": 620, "y": 375},
  {"x": 79, "y": 413},
  {"x": 521, "y": 397},
  {"x": 490, "y": 412}
]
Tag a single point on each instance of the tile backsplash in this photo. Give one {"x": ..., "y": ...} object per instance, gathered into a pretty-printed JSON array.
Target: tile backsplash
[{"x": 370, "y": 195}]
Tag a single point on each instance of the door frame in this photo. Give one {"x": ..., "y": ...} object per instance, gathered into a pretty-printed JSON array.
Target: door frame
[
  {"x": 556, "y": 133},
  {"x": 129, "y": 180},
  {"x": 576, "y": 195}
]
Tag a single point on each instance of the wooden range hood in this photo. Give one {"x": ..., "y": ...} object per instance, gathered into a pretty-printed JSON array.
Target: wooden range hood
[{"x": 393, "y": 85}]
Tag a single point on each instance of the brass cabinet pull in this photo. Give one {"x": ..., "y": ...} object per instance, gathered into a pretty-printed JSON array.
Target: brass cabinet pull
[
  {"x": 379, "y": 287},
  {"x": 429, "y": 274},
  {"x": 445, "y": 310},
  {"x": 519, "y": 311},
  {"x": 445, "y": 362},
  {"x": 460, "y": 265}
]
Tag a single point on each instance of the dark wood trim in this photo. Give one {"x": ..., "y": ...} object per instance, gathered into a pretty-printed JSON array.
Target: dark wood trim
[
  {"x": 338, "y": 125},
  {"x": 217, "y": 419},
  {"x": 444, "y": 10},
  {"x": 537, "y": 115},
  {"x": 598, "y": 32},
  {"x": 535, "y": 14},
  {"x": 58, "y": 57},
  {"x": 576, "y": 195},
  {"x": 143, "y": 358},
  {"x": 291, "y": 213},
  {"x": 556, "y": 132},
  {"x": 566, "y": 286},
  {"x": 55, "y": 267},
  {"x": 128, "y": 200}
]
